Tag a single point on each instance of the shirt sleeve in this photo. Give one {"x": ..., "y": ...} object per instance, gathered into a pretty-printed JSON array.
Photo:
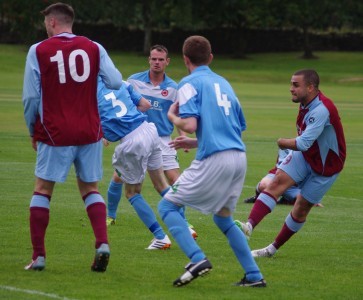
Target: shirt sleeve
[
  {"x": 315, "y": 123},
  {"x": 110, "y": 75},
  {"x": 31, "y": 89},
  {"x": 187, "y": 101},
  {"x": 135, "y": 95}
]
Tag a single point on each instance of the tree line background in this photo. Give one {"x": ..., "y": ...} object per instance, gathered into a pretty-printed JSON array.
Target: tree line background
[{"x": 235, "y": 27}]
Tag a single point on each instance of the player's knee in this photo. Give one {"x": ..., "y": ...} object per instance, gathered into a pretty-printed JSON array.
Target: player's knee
[
  {"x": 130, "y": 195},
  {"x": 224, "y": 223},
  {"x": 116, "y": 178},
  {"x": 265, "y": 181},
  {"x": 164, "y": 207}
]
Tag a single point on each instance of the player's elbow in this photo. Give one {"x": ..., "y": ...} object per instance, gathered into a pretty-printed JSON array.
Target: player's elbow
[
  {"x": 147, "y": 105},
  {"x": 189, "y": 125},
  {"x": 303, "y": 146},
  {"x": 144, "y": 105},
  {"x": 113, "y": 82},
  {"x": 190, "y": 131},
  {"x": 189, "y": 128}
]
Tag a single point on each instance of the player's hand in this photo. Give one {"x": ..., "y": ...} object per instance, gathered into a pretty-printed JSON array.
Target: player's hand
[
  {"x": 105, "y": 142},
  {"x": 174, "y": 109},
  {"x": 34, "y": 143},
  {"x": 183, "y": 142}
]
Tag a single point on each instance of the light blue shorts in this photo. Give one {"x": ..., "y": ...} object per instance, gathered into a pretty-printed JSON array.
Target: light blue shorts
[
  {"x": 291, "y": 193},
  {"x": 313, "y": 186},
  {"x": 53, "y": 163}
]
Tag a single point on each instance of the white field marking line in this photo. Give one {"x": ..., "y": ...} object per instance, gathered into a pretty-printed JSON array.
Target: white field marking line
[
  {"x": 345, "y": 198},
  {"x": 329, "y": 196},
  {"x": 32, "y": 292},
  {"x": 271, "y": 142},
  {"x": 249, "y": 187}
]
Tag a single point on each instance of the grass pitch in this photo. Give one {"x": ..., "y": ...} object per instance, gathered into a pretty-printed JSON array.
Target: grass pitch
[{"x": 322, "y": 261}]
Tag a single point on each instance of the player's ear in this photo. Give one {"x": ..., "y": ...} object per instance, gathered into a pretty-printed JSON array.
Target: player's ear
[
  {"x": 210, "y": 58},
  {"x": 311, "y": 88},
  {"x": 186, "y": 59},
  {"x": 52, "y": 21}
]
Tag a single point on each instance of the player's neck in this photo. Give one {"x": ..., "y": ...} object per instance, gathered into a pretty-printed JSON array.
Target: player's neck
[
  {"x": 62, "y": 30},
  {"x": 156, "y": 78},
  {"x": 309, "y": 100}
]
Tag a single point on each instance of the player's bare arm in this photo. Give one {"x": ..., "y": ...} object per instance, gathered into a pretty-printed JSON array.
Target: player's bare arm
[
  {"x": 287, "y": 144},
  {"x": 144, "y": 105},
  {"x": 188, "y": 125},
  {"x": 34, "y": 143}
]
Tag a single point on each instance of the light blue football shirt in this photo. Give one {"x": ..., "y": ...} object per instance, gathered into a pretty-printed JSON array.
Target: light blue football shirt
[
  {"x": 161, "y": 98},
  {"x": 118, "y": 110},
  {"x": 208, "y": 97}
]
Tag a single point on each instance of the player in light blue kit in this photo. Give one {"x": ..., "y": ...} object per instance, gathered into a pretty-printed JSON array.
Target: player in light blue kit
[
  {"x": 138, "y": 151},
  {"x": 160, "y": 90},
  {"x": 208, "y": 106}
]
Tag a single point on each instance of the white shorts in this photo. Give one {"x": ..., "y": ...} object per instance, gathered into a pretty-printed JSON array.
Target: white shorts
[
  {"x": 138, "y": 152},
  {"x": 211, "y": 184},
  {"x": 170, "y": 156}
]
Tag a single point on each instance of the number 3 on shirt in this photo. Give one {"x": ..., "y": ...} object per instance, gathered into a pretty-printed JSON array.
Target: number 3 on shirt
[
  {"x": 59, "y": 59},
  {"x": 222, "y": 99},
  {"x": 115, "y": 102}
]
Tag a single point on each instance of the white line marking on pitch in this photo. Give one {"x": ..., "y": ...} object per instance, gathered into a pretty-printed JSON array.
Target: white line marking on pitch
[{"x": 32, "y": 292}]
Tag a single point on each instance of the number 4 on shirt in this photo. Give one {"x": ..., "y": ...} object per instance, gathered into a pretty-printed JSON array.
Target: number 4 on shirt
[{"x": 222, "y": 99}]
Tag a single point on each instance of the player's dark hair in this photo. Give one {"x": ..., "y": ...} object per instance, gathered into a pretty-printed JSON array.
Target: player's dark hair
[
  {"x": 62, "y": 11},
  {"x": 160, "y": 48},
  {"x": 198, "y": 49},
  {"x": 310, "y": 77}
]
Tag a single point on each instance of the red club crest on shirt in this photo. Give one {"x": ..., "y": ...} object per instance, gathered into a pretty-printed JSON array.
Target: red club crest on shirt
[
  {"x": 164, "y": 93},
  {"x": 287, "y": 159}
]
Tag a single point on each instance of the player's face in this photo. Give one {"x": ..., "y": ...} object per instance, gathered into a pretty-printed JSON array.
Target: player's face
[
  {"x": 299, "y": 90},
  {"x": 158, "y": 61}
]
